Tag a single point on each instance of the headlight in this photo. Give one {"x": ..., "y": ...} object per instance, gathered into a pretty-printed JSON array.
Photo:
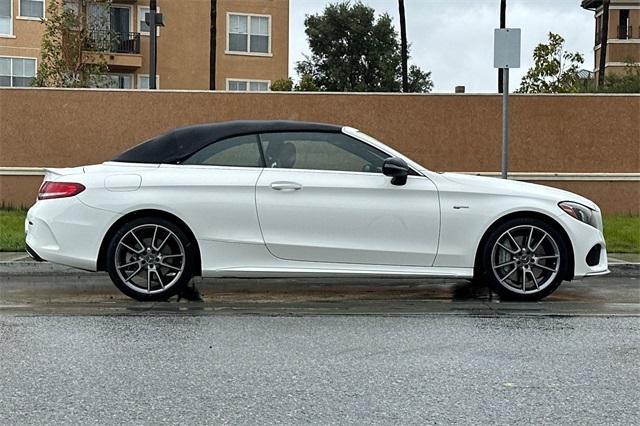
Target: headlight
[{"x": 578, "y": 211}]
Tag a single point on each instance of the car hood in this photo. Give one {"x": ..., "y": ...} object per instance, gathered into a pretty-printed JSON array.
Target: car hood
[{"x": 491, "y": 185}]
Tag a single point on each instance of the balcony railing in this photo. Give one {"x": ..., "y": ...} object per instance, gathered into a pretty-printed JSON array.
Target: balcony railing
[
  {"x": 109, "y": 41},
  {"x": 627, "y": 32}
]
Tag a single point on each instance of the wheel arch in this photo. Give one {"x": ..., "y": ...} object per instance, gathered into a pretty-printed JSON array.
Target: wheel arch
[
  {"x": 527, "y": 215},
  {"x": 102, "y": 254}
]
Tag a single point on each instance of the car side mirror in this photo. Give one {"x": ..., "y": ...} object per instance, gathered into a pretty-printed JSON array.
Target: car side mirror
[{"x": 396, "y": 168}]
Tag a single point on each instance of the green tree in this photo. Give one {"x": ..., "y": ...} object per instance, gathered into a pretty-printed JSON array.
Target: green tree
[
  {"x": 554, "y": 70},
  {"x": 629, "y": 82},
  {"x": 306, "y": 84},
  {"x": 352, "y": 50},
  {"x": 282, "y": 85},
  {"x": 419, "y": 80},
  {"x": 64, "y": 60}
]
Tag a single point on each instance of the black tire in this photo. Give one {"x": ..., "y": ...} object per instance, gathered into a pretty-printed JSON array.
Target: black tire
[
  {"x": 164, "y": 280},
  {"x": 532, "y": 268}
]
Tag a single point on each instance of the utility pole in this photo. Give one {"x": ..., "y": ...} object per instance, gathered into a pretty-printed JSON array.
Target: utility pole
[
  {"x": 503, "y": 24},
  {"x": 212, "y": 45},
  {"x": 153, "y": 33},
  {"x": 403, "y": 47},
  {"x": 603, "y": 41}
]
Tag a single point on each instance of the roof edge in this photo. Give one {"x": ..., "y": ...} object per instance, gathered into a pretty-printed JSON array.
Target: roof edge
[{"x": 591, "y": 4}]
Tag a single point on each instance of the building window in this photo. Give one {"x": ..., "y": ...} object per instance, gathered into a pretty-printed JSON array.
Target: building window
[
  {"x": 143, "y": 81},
  {"x": 120, "y": 20},
  {"x": 114, "y": 81},
  {"x": 143, "y": 27},
  {"x": 624, "y": 29},
  {"x": 17, "y": 72},
  {"x": 248, "y": 85},
  {"x": 72, "y": 6},
  {"x": 32, "y": 8},
  {"x": 249, "y": 33},
  {"x": 6, "y": 23},
  {"x": 121, "y": 81},
  {"x": 258, "y": 86}
]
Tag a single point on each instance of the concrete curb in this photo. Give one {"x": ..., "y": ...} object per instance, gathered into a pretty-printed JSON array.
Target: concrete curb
[
  {"x": 38, "y": 268},
  {"x": 624, "y": 259}
]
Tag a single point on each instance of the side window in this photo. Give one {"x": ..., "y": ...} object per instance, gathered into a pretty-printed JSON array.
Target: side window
[
  {"x": 240, "y": 151},
  {"x": 320, "y": 151}
]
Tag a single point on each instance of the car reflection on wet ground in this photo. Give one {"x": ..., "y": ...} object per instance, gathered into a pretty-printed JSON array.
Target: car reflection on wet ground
[{"x": 76, "y": 292}]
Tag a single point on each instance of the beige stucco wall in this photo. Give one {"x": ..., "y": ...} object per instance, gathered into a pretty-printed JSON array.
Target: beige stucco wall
[
  {"x": 623, "y": 52},
  {"x": 581, "y": 134},
  {"x": 234, "y": 66},
  {"x": 620, "y": 52},
  {"x": 183, "y": 44},
  {"x": 25, "y": 41}
]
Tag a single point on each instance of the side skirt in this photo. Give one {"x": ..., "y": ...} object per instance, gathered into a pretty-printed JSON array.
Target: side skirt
[{"x": 356, "y": 271}]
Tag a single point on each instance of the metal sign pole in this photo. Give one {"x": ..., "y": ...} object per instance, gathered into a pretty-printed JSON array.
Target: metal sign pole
[
  {"x": 505, "y": 123},
  {"x": 506, "y": 55}
]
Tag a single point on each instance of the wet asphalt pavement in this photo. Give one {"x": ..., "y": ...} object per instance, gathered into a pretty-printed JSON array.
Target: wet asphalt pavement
[
  {"x": 44, "y": 289},
  {"x": 74, "y": 351},
  {"x": 319, "y": 369}
]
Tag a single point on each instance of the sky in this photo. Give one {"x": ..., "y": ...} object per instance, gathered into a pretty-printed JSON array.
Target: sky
[{"x": 454, "y": 38}]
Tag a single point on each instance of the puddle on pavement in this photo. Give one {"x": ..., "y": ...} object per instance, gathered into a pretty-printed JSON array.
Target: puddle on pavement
[{"x": 322, "y": 290}]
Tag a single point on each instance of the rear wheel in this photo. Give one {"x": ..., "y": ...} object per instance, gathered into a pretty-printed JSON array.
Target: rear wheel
[
  {"x": 525, "y": 259},
  {"x": 150, "y": 259}
]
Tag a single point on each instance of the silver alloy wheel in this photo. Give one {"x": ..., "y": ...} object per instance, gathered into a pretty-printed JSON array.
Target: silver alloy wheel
[
  {"x": 525, "y": 259},
  {"x": 150, "y": 259}
]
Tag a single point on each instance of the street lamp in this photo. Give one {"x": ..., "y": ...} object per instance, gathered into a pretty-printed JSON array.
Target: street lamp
[{"x": 154, "y": 20}]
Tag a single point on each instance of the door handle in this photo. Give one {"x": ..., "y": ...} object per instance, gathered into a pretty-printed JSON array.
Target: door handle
[{"x": 286, "y": 186}]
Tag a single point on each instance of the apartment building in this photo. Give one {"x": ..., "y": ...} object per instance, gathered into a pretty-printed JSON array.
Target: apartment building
[
  {"x": 623, "y": 35},
  {"x": 246, "y": 49}
]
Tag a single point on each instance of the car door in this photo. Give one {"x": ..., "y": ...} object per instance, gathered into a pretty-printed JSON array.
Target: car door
[
  {"x": 323, "y": 198},
  {"x": 215, "y": 187}
]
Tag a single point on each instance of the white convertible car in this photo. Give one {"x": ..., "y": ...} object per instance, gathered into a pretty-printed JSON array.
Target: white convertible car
[{"x": 284, "y": 198}]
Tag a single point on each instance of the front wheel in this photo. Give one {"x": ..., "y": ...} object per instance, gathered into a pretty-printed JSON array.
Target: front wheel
[
  {"x": 150, "y": 259},
  {"x": 524, "y": 259}
]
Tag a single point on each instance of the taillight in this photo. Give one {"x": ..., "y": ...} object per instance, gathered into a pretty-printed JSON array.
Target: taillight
[{"x": 50, "y": 190}]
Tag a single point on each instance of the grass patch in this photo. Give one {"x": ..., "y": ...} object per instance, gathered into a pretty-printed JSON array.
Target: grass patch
[
  {"x": 622, "y": 233},
  {"x": 12, "y": 229}
]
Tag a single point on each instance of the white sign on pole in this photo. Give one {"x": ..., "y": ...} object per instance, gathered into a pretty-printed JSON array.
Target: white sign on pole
[
  {"x": 506, "y": 48},
  {"x": 506, "y": 54}
]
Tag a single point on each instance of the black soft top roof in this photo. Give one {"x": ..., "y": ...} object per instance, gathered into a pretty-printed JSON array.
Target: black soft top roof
[{"x": 178, "y": 144}]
